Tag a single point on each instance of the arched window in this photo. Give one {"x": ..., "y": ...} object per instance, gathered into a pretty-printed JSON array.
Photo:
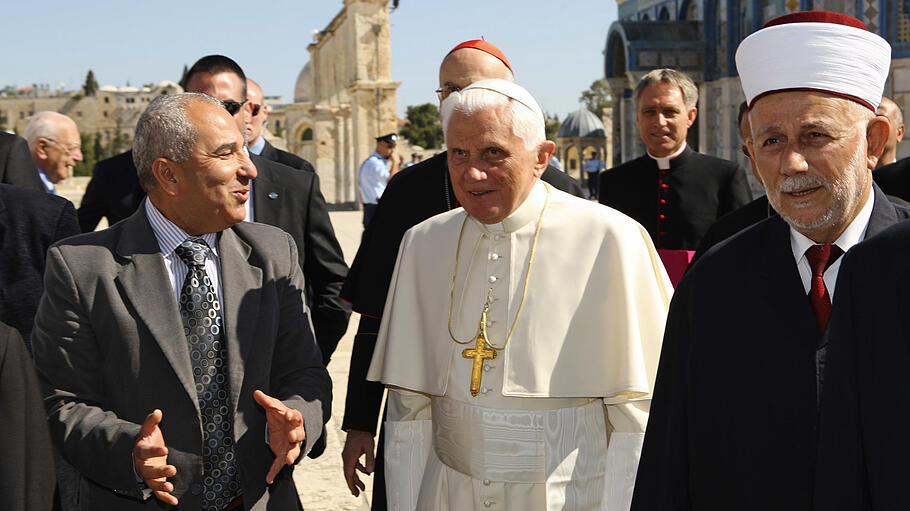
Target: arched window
[
  {"x": 307, "y": 135},
  {"x": 664, "y": 14}
]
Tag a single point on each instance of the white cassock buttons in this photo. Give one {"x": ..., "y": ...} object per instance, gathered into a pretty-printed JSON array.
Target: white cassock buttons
[
  {"x": 488, "y": 503},
  {"x": 494, "y": 256},
  {"x": 498, "y": 237},
  {"x": 487, "y": 367},
  {"x": 486, "y": 482},
  {"x": 492, "y": 279},
  {"x": 484, "y": 389}
]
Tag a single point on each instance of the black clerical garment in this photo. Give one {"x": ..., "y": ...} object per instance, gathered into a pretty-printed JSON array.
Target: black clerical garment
[
  {"x": 412, "y": 196},
  {"x": 732, "y": 422},
  {"x": 678, "y": 205},
  {"x": 865, "y": 412}
]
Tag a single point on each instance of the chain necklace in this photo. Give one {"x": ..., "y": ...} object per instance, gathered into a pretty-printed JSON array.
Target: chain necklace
[{"x": 481, "y": 328}]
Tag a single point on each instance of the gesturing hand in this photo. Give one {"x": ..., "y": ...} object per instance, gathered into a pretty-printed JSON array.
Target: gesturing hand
[
  {"x": 150, "y": 459},
  {"x": 285, "y": 432},
  {"x": 357, "y": 444}
]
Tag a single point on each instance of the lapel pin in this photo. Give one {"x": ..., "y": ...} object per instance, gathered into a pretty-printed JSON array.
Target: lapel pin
[{"x": 273, "y": 195}]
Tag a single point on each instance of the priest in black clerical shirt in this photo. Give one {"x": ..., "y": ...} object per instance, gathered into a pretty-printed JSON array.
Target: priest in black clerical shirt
[{"x": 673, "y": 191}]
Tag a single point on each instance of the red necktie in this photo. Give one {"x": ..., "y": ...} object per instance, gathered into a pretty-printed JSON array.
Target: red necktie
[{"x": 820, "y": 258}]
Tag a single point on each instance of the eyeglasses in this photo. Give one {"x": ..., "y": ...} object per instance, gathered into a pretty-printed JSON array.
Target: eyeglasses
[
  {"x": 232, "y": 106},
  {"x": 444, "y": 91},
  {"x": 67, "y": 148},
  {"x": 256, "y": 109},
  {"x": 745, "y": 151}
]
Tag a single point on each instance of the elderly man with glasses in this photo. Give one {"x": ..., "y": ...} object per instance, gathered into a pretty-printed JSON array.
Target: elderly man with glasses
[{"x": 55, "y": 146}]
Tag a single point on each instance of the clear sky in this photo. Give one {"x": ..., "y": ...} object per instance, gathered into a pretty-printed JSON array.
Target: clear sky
[{"x": 555, "y": 47}]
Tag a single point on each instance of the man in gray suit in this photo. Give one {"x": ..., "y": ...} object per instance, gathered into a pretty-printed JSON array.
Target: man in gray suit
[{"x": 168, "y": 342}]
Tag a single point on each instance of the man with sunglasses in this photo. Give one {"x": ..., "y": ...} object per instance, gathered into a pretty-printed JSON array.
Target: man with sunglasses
[
  {"x": 55, "y": 146},
  {"x": 258, "y": 144},
  {"x": 288, "y": 199}
]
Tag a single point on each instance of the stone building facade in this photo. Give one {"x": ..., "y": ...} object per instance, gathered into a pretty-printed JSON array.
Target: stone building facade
[
  {"x": 700, "y": 37},
  {"x": 344, "y": 97},
  {"x": 110, "y": 112}
]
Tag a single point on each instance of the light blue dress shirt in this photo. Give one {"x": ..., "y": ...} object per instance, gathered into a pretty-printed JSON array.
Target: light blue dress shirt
[{"x": 373, "y": 174}]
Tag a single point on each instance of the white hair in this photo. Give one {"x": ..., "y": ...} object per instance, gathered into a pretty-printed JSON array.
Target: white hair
[
  {"x": 527, "y": 123},
  {"x": 44, "y": 124},
  {"x": 164, "y": 131}
]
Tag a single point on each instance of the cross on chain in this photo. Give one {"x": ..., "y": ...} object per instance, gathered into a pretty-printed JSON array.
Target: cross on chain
[{"x": 479, "y": 352}]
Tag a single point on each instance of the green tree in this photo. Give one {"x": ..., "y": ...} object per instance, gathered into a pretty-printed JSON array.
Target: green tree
[
  {"x": 423, "y": 126},
  {"x": 551, "y": 126},
  {"x": 597, "y": 97},
  {"x": 100, "y": 153},
  {"x": 89, "y": 158},
  {"x": 91, "y": 85},
  {"x": 117, "y": 143}
]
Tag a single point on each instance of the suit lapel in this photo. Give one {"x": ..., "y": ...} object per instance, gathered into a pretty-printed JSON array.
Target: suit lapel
[
  {"x": 146, "y": 286},
  {"x": 241, "y": 285},
  {"x": 267, "y": 194},
  {"x": 268, "y": 151}
]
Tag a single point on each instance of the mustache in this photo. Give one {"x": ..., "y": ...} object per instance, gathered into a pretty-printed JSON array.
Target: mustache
[{"x": 801, "y": 182}]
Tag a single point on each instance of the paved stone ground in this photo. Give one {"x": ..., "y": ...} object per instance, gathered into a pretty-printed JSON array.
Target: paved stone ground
[{"x": 321, "y": 481}]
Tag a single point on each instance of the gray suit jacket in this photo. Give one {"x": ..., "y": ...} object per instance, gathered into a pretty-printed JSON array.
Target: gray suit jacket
[{"x": 110, "y": 348}]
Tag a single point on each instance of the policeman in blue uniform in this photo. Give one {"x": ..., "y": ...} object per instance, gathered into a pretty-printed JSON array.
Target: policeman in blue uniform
[{"x": 375, "y": 173}]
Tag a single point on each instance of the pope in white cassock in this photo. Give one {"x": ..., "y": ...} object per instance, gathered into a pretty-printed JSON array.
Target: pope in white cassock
[{"x": 521, "y": 334}]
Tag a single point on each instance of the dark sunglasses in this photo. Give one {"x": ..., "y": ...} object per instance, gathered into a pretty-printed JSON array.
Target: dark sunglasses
[
  {"x": 745, "y": 150},
  {"x": 256, "y": 109},
  {"x": 232, "y": 106}
]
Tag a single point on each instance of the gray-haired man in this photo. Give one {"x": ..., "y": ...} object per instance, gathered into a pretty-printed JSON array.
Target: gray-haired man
[{"x": 144, "y": 337}]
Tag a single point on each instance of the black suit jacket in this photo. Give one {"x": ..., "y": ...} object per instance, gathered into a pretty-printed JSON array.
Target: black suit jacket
[
  {"x": 733, "y": 417},
  {"x": 110, "y": 348},
  {"x": 894, "y": 178},
  {"x": 16, "y": 164},
  {"x": 290, "y": 199},
  {"x": 113, "y": 192},
  {"x": 282, "y": 197},
  {"x": 732, "y": 223},
  {"x": 30, "y": 222},
  {"x": 27, "y": 465},
  {"x": 865, "y": 414},
  {"x": 676, "y": 206},
  {"x": 290, "y": 159}
]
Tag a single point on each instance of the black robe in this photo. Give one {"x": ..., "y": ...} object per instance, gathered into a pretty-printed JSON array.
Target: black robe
[
  {"x": 676, "y": 206},
  {"x": 732, "y": 423},
  {"x": 863, "y": 427},
  {"x": 412, "y": 196}
]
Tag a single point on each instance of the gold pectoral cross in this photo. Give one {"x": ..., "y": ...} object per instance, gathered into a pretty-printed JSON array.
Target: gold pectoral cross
[{"x": 479, "y": 353}]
